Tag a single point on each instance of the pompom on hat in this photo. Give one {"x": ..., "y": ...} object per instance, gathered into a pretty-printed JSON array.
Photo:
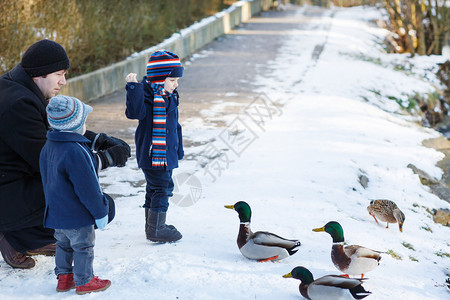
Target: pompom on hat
[
  {"x": 65, "y": 113},
  {"x": 163, "y": 64},
  {"x": 45, "y": 57}
]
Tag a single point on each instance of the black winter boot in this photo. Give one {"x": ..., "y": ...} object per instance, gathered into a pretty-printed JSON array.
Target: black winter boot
[
  {"x": 156, "y": 229},
  {"x": 147, "y": 222}
]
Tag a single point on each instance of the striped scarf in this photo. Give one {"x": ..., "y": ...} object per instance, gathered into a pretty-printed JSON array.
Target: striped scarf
[{"x": 158, "y": 148}]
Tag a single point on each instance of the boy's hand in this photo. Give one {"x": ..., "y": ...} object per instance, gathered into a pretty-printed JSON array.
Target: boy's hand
[
  {"x": 101, "y": 223},
  {"x": 131, "y": 77}
]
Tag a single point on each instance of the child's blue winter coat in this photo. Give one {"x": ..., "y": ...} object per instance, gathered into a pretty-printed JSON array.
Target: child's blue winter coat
[
  {"x": 140, "y": 107},
  {"x": 73, "y": 197}
]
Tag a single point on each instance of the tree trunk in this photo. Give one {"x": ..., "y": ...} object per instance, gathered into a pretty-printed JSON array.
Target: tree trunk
[
  {"x": 410, "y": 34},
  {"x": 421, "y": 46}
]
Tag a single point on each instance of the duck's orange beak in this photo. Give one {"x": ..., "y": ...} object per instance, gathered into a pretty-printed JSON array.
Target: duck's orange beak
[
  {"x": 288, "y": 275},
  {"x": 229, "y": 206}
]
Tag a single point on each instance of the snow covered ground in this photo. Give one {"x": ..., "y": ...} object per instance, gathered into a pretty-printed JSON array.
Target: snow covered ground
[{"x": 322, "y": 119}]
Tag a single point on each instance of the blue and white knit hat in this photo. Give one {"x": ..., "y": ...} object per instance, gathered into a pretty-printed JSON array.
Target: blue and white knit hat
[
  {"x": 65, "y": 113},
  {"x": 163, "y": 64}
]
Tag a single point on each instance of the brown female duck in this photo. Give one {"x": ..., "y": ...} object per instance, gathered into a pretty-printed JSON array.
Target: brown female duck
[{"x": 387, "y": 211}]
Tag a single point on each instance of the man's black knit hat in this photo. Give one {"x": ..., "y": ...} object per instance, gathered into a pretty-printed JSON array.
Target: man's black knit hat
[{"x": 45, "y": 57}]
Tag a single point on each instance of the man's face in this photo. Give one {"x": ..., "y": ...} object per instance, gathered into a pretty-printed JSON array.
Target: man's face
[
  {"x": 171, "y": 84},
  {"x": 50, "y": 84}
]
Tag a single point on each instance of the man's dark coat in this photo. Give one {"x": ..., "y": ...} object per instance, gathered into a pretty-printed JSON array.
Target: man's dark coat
[{"x": 23, "y": 129}]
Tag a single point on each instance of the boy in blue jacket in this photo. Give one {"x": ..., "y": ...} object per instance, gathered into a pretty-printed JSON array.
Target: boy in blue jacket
[
  {"x": 74, "y": 201},
  {"x": 159, "y": 145}
]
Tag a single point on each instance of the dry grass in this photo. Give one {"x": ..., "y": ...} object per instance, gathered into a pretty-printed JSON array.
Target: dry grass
[{"x": 95, "y": 33}]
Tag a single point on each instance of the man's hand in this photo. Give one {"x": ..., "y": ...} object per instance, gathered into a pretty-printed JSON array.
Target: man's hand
[
  {"x": 115, "y": 156},
  {"x": 104, "y": 141}
]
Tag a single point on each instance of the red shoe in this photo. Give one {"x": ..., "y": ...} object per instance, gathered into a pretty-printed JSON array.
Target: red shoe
[
  {"x": 95, "y": 285},
  {"x": 65, "y": 282}
]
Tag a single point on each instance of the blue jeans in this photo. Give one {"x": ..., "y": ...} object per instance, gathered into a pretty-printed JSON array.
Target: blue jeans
[
  {"x": 77, "y": 246},
  {"x": 159, "y": 189}
]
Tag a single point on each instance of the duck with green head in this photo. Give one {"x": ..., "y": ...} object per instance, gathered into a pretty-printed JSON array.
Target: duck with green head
[
  {"x": 351, "y": 259},
  {"x": 327, "y": 287},
  {"x": 260, "y": 245}
]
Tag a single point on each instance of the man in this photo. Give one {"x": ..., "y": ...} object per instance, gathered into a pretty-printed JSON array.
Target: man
[{"x": 24, "y": 94}]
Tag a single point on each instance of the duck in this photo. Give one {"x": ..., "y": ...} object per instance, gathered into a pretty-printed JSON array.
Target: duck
[
  {"x": 327, "y": 287},
  {"x": 351, "y": 259},
  {"x": 261, "y": 245},
  {"x": 387, "y": 211}
]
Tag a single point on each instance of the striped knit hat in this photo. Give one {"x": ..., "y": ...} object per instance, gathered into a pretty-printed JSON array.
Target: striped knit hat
[
  {"x": 66, "y": 113},
  {"x": 163, "y": 64}
]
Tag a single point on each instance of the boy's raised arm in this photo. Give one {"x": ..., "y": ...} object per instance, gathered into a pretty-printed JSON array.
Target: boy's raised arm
[{"x": 135, "y": 98}]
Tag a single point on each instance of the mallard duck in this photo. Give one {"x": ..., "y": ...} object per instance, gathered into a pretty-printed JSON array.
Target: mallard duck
[
  {"x": 387, "y": 211},
  {"x": 327, "y": 287},
  {"x": 351, "y": 259},
  {"x": 260, "y": 245}
]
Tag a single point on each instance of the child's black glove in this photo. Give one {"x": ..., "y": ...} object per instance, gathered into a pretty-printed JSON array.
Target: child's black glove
[{"x": 115, "y": 156}]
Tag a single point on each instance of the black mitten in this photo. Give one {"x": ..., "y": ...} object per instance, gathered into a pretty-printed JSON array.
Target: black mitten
[
  {"x": 90, "y": 135},
  {"x": 104, "y": 141},
  {"x": 115, "y": 156}
]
